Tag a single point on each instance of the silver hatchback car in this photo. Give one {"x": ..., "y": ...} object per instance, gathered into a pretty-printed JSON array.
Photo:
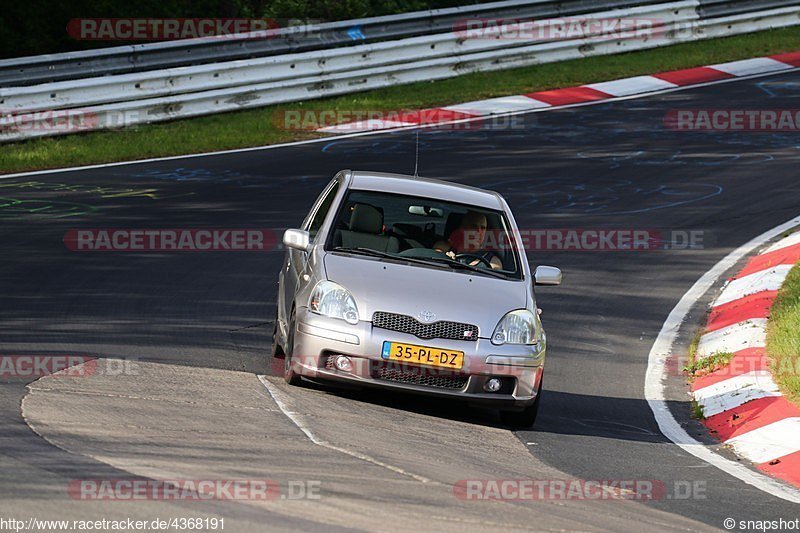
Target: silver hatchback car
[{"x": 416, "y": 285}]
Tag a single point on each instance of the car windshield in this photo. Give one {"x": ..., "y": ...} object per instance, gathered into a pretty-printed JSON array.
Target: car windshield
[{"x": 425, "y": 231}]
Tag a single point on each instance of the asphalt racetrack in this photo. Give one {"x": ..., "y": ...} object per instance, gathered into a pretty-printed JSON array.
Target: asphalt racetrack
[{"x": 195, "y": 328}]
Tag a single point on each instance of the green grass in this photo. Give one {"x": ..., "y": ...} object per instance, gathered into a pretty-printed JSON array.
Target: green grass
[
  {"x": 783, "y": 336},
  {"x": 696, "y": 341},
  {"x": 696, "y": 411},
  {"x": 697, "y": 367},
  {"x": 257, "y": 127}
]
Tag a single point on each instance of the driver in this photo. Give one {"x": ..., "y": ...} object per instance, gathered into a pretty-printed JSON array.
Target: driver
[{"x": 469, "y": 238}]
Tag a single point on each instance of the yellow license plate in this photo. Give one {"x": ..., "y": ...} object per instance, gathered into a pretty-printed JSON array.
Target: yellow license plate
[{"x": 422, "y": 355}]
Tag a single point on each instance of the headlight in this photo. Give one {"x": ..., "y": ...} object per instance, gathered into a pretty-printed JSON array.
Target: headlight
[
  {"x": 333, "y": 300},
  {"x": 518, "y": 327}
]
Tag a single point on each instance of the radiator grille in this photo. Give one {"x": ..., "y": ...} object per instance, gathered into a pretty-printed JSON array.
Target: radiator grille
[{"x": 437, "y": 330}]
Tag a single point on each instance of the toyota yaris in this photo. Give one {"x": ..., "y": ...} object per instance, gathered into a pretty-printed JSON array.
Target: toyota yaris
[{"x": 416, "y": 285}]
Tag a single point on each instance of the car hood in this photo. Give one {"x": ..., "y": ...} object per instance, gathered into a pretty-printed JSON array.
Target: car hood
[{"x": 380, "y": 285}]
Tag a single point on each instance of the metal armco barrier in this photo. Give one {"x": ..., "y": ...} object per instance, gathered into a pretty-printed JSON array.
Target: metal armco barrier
[
  {"x": 119, "y": 100},
  {"x": 141, "y": 57}
]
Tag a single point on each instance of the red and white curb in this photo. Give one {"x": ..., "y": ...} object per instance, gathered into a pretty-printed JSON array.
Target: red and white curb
[
  {"x": 593, "y": 92},
  {"x": 742, "y": 403}
]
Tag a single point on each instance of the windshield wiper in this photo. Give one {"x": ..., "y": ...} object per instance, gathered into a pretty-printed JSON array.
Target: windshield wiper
[
  {"x": 364, "y": 251},
  {"x": 378, "y": 253},
  {"x": 432, "y": 261},
  {"x": 464, "y": 266}
]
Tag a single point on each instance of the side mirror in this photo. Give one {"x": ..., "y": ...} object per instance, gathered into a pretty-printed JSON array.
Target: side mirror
[
  {"x": 297, "y": 239},
  {"x": 547, "y": 275}
]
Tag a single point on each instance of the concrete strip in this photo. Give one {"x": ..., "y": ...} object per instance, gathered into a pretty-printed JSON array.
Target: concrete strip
[{"x": 198, "y": 423}]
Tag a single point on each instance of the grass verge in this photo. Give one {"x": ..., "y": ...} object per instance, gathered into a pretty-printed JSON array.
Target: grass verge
[
  {"x": 258, "y": 127},
  {"x": 700, "y": 367},
  {"x": 696, "y": 411},
  {"x": 696, "y": 368},
  {"x": 783, "y": 337}
]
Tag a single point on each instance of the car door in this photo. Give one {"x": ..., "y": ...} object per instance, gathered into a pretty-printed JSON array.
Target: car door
[{"x": 296, "y": 261}]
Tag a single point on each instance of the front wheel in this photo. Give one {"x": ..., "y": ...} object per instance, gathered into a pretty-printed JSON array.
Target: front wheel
[
  {"x": 526, "y": 418},
  {"x": 289, "y": 375}
]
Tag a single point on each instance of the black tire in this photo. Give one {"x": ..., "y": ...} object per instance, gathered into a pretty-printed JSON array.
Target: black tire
[
  {"x": 277, "y": 349},
  {"x": 526, "y": 418},
  {"x": 289, "y": 375}
]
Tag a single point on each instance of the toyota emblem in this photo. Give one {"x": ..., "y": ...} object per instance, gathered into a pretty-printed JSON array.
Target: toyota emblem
[{"x": 426, "y": 316}]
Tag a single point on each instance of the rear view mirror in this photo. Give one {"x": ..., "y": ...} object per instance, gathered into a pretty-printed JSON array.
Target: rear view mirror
[
  {"x": 297, "y": 239},
  {"x": 547, "y": 275},
  {"x": 425, "y": 211}
]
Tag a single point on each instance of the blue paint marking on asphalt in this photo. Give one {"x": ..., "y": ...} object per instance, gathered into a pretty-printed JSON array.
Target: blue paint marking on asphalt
[
  {"x": 190, "y": 174},
  {"x": 678, "y": 157},
  {"x": 586, "y": 196},
  {"x": 781, "y": 88},
  {"x": 558, "y": 195},
  {"x": 602, "y": 199},
  {"x": 430, "y": 139}
]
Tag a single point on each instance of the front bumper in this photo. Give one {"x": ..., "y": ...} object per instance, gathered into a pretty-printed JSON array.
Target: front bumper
[{"x": 318, "y": 339}]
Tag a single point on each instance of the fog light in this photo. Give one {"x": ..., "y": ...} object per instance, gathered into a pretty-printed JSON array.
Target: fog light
[
  {"x": 492, "y": 385},
  {"x": 343, "y": 363}
]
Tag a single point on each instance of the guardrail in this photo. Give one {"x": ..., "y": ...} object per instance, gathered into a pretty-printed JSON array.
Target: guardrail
[
  {"x": 723, "y": 8},
  {"x": 187, "y": 52},
  {"x": 114, "y": 101},
  {"x": 286, "y": 68}
]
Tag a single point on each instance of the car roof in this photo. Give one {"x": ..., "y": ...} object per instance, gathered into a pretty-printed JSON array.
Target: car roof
[{"x": 425, "y": 187}]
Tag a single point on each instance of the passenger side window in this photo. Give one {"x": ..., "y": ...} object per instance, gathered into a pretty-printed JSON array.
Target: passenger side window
[{"x": 318, "y": 217}]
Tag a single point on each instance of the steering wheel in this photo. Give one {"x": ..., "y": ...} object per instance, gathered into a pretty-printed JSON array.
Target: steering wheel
[{"x": 469, "y": 258}]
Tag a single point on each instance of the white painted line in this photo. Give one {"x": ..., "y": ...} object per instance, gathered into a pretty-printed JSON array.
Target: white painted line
[
  {"x": 657, "y": 373},
  {"x": 298, "y": 420},
  {"x": 791, "y": 240},
  {"x": 750, "y": 333},
  {"x": 736, "y": 391},
  {"x": 367, "y": 133},
  {"x": 629, "y": 86},
  {"x": 769, "y": 279},
  {"x": 769, "y": 442},
  {"x": 365, "y": 125},
  {"x": 747, "y": 67},
  {"x": 495, "y": 106}
]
